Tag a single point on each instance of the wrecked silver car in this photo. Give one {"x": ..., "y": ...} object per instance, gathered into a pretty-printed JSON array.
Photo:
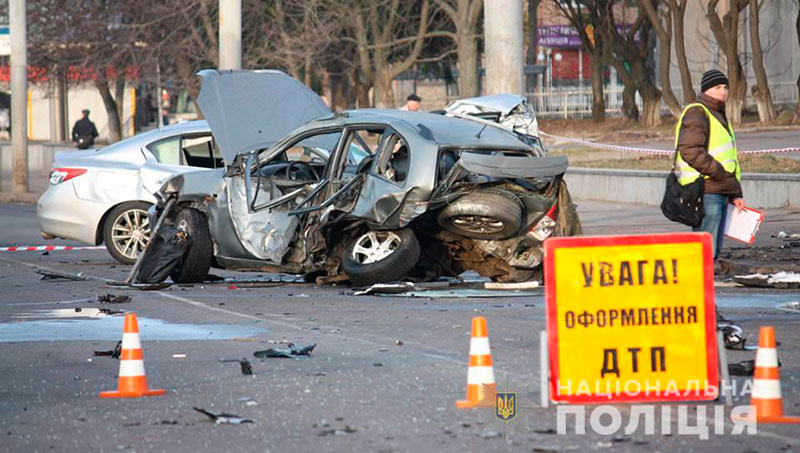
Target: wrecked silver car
[{"x": 366, "y": 195}]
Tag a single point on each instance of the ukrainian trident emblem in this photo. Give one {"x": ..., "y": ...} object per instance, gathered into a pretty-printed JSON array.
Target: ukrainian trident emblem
[{"x": 506, "y": 406}]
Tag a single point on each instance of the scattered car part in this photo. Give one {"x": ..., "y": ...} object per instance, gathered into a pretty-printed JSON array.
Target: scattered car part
[
  {"x": 168, "y": 249},
  {"x": 126, "y": 231},
  {"x": 222, "y": 418},
  {"x": 487, "y": 214},
  {"x": 290, "y": 353},
  {"x": 244, "y": 364},
  {"x": 782, "y": 280},
  {"x": 381, "y": 256},
  {"x": 743, "y": 368},
  {"x": 165, "y": 211},
  {"x": 386, "y": 288},
  {"x": 113, "y": 353},
  {"x": 55, "y": 275},
  {"x": 113, "y": 298},
  {"x": 196, "y": 262}
]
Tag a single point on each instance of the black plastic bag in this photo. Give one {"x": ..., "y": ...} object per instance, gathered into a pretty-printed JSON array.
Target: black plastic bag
[
  {"x": 683, "y": 204},
  {"x": 163, "y": 255}
]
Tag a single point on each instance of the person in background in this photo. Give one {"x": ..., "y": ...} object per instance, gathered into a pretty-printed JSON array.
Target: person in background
[
  {"x": 707, "y": 148},
  {"x": 412, "y": 103},
  {"x": 84, "y": 131},
  {"x": 164, "y": 116}
]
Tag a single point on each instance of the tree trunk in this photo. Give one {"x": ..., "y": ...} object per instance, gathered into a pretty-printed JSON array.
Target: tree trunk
[
  {"x": 737, "y": 93},
  {"x": 598, "y": 96},
  {"x": 664, "y": 50},
  {"x": 629, "y": 108},
  {"x": 766, "y": 110},
  {"x": 119, "y": 98},
  {"x": 192, "y": 82},
  {"x": 383, "y": 89},
  {"x": 533, "y": 26},
  {"x": 307, "y": 70},
  {"x": 362, "y": 90},
  {"x": 467, "y": 66},
  {"x": 114, "y": 127},
  {"x": 680, "y": 52},
  {"x": 651, "y": 105}
]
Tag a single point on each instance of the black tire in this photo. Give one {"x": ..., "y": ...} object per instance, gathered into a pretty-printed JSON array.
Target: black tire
[
  {"x": 392, "y": 267},
  {"x": 197, "y": 260},
  {"x": 120, "y": 218},
  {"x": 487, "y": 214}
]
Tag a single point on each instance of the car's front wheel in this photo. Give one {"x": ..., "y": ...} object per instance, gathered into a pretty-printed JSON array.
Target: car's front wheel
[
  {"x": 381, "y": 256},
  {"x": 126, "y": 231}
]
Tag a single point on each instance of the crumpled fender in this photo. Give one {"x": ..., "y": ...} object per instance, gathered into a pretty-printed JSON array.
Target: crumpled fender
[{"x": 513, "y": 166}]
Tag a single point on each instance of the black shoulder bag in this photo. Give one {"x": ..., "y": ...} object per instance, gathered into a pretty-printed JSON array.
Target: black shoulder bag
[{"x": 683, "y": 204}]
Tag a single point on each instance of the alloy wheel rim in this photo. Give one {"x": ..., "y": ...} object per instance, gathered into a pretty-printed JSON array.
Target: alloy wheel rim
[
  {"x": 478, "y": 224},
  {"x": 130, "y": 232},
  {"x": 375, "y": 246}
]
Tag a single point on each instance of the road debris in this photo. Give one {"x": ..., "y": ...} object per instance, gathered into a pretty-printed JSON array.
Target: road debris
[
  {"x": 507, "y": 286},
  {"x": 49, "y": 275},
  {"x": 178, "y": 356},
  {"x": 113, "y": 299},
  {"x": 337, "y": 432},
  {"x": 782, "y": 280},
  {"x": 169, "y": 247},
  {"x": 386, "y": 288},
  {"x": 221, "y": 418},
  {"x": 743, "y": 368},
  {"x": 291, "y": 353},
  {"x": 109, "y": 311},
  {"x": 462, "y": 293},
  {"x": 246, "y": 366},
  {"x": 113, "y": 353}
]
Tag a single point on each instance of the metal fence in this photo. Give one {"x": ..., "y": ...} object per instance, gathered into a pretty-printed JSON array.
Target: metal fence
[{"x": 578, "y": 101}]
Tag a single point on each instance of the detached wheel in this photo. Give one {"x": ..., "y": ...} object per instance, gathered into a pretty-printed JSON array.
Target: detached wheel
[
  {"x": 381, "y": 256},
  {"x": 126, "y": 231},
  {"x": 198, "y": 258},
  {"x": 485, "y": 214}
]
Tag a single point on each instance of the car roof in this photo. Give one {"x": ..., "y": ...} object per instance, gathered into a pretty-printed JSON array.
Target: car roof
[{"x": 439, "y": 129}]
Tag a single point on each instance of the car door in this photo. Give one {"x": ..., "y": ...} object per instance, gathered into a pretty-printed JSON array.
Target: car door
[
  {"x": 263, "y": 198},
  {"x": 383, "y": 191}
]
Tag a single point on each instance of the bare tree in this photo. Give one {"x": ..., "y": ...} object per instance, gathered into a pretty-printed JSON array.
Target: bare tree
[
  {"x": 465, "y": 15},
  {"x": 389, "y": 35},
  {"x": 628, "y": 54},
  {"x": 726, "y": 31},
  {"x": 585, "y": 23},
  {"x": 761, "y": 92},
  {"x": 678, "y": 10},
  {"x": 657, "y": 14}
]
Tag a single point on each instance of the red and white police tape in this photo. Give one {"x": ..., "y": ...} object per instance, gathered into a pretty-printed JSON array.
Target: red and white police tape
[
  {"x": 663, "y": 152},
  {"x": 47, "y": 248}
]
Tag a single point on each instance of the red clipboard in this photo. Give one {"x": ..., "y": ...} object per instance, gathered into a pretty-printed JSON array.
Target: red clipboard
[{"x": 743, "y": 226}]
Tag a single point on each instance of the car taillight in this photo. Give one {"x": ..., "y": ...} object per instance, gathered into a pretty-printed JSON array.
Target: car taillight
[
  {"x": 545, "y": 227},
  {"x": 59, "y": 175}
]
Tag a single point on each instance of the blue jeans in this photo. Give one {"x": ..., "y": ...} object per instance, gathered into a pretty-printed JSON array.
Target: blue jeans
[{"x": 716, "y": 210}]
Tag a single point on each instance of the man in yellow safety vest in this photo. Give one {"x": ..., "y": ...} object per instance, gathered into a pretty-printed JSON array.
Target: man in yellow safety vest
[{"x": 707, "y": 148}]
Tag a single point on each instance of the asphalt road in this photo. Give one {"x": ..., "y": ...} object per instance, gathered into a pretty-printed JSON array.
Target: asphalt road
[{"x": 384, "y": 376}]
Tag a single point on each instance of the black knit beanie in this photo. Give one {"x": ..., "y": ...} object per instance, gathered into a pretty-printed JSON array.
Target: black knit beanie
[{"x": 711, "y": 79}]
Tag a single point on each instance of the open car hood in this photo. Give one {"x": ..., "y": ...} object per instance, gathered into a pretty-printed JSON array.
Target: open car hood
[{"x": 247, "y": 110}]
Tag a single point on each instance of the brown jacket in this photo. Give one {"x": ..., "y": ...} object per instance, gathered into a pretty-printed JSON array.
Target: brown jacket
[{"x": 693, "y": 146}]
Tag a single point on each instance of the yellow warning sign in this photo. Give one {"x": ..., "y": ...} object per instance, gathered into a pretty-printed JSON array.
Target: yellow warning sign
[{"x": 631, "y": 318}]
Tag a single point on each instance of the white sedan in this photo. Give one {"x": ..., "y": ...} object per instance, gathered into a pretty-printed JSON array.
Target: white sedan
[{"x": 102, "y": 195}]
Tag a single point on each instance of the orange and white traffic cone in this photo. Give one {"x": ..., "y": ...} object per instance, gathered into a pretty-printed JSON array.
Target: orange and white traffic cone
[
  {"x": 481, "y": 386},
  {"x": 132, "y": 380},
  {"x": 766, "y": 395}
]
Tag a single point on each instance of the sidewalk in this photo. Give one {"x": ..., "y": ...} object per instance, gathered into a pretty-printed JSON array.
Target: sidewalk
[{"x": 606, "y": 218}]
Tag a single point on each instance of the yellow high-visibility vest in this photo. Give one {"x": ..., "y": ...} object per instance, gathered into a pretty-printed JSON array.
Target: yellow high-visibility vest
[{"x": 721, "y": 146}]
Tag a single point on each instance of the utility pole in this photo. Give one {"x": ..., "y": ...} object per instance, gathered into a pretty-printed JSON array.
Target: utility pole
[
  {"x": 502, "y": 31},
  {"x": 230, "y": 34},
  {"x": 19, "y": 93}
]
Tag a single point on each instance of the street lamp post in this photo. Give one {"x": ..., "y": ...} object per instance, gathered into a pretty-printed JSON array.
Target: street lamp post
[{"x": 19, "y": 93}]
